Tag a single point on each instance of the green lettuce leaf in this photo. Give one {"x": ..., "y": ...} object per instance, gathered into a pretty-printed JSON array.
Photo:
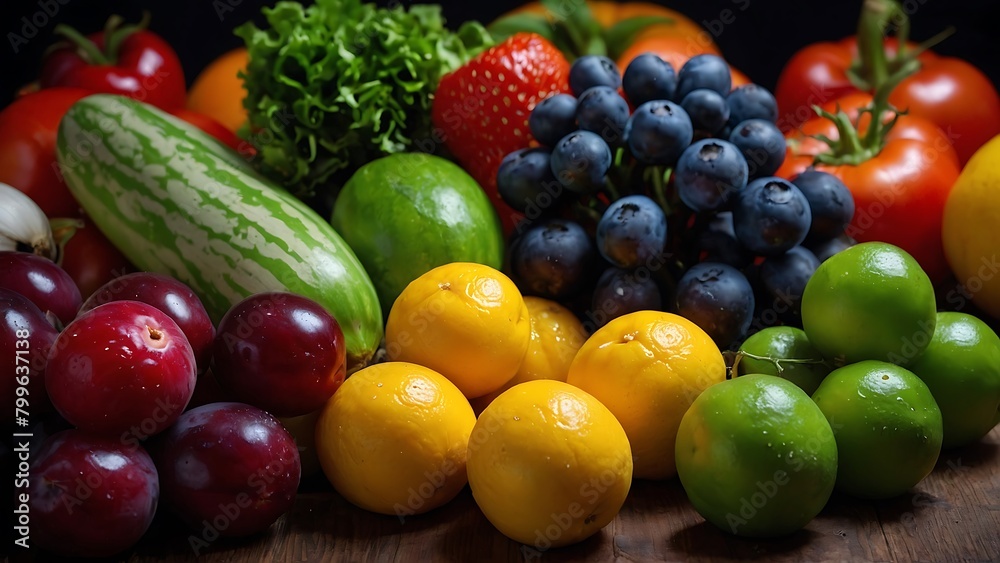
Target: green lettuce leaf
[{"x": 339, "y": 83}]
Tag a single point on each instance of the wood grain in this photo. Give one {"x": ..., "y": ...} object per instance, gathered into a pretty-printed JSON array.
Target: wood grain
[{"x": 953, "y": 515}]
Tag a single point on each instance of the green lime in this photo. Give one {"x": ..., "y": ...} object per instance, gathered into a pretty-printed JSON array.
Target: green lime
[
  {"x": 870, "y": 302},
  {"x": 784, "y": 351},
  {"x": 407, "y": 213},
  {"x": 961, "y": 366},
  {"x": 887, "y": 425},
  {"x": 756, "y": 456}
]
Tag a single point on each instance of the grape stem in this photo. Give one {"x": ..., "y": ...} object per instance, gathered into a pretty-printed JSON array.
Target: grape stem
[
  {"x": 776, "y": 361},
  {"x": 660, "y": 177}
]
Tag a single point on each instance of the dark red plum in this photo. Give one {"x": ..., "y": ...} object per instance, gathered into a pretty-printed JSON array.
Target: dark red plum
[
  {"x": 25, "y": 339},
  {"x": 227, "y": 469},
  {"x": 172, "y": 297},
  {"x": 89, "y": 495},
  {"x": 123, "y": 369},
  {"x": 281, "y": 352},
  {"x": 42, "y": 282}
]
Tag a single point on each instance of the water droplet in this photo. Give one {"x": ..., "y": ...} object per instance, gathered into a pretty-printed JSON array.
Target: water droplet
[
  {"x": 764, "y": 432},
  {"x": 378, "y": 385},
  {"x": 769, "y": 444}
]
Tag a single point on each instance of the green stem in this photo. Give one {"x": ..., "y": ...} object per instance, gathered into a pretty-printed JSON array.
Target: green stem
[
  {"x": 589, "y": 212},
  {"x": 777, "y": 362},
  {"x": 114, "y": 38},
  {"x": 63, "y": 229},
  {"x": 114, "y": 35},
  {"x": 877, "y": 130},
  {"x": 872, "y": 67},
  {"x": 86, "y": 48},
  {"x": 659, "y": 177},
  {"x": 610, "y": 188},
  {"x": 850, "y": 147}
]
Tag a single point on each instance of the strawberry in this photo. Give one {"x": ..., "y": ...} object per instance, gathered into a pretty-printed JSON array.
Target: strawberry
[{"x": 481, "y": 109}]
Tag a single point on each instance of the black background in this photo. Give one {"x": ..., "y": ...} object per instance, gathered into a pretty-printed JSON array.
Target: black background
[{"x": 760, "y": 39}]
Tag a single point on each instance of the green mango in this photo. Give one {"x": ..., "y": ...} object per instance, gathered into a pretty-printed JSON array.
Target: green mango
[{"x": 407, "y": 213}]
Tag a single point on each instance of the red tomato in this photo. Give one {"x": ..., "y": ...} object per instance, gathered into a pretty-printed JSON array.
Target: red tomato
[
  {"x": 27, "y": 148},
  {"x": 950, "y": 92},
  {"x": 91, "y": 260},
  {"x": 123, "y": 59},
  {"x": 899, "y": 191},
  {"x": 28, "y": 129},
  {"x": 210, "y": 126}
]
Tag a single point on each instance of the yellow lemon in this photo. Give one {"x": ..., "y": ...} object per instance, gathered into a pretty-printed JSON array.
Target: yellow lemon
[
  {"x": 647, "y": 368},
  {"x": 393, "y": 439},
  {"x": 548, "y": 464},
  {"x": 556, "y": 335},
  {"x": 969, "y": 231},
  {"x": 466, "y": 321}
]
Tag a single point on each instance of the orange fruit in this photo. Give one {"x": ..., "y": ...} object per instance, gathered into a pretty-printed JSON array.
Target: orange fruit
[
  {"x": 218, "y": 92},
  {"x": 556, "y": 335},
  {"x": 393, "y": 439},
  {"x": 548, "y": 464},
  {"x": 647, "y": 368},
  {"x": 464, "y": 320},
  {"x": 675, "y": 49}
]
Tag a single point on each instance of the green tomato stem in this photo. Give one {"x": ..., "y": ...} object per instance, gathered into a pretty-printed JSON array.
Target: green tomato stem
[{"x": 84, "y": 47}]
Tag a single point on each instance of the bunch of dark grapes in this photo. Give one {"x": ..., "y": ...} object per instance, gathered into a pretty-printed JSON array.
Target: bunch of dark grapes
[{"x": 655, "y": 189}]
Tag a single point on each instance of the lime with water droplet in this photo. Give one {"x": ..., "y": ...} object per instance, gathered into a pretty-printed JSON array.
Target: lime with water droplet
[
  {"x": 885, "y": 446},
  {"x": 756, "y": 456},
  {"x": 961, "y": 366}
]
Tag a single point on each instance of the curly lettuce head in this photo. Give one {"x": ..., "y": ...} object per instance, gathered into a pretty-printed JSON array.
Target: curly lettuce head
[{"x": 339, "y": 83}]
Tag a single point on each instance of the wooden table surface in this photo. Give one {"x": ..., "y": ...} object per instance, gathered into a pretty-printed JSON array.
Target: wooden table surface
[{"x": 953, "y": 515}]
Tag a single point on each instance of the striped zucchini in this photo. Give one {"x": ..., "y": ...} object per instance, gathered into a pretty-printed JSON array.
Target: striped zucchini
[{"x": 177, "y": 202}]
